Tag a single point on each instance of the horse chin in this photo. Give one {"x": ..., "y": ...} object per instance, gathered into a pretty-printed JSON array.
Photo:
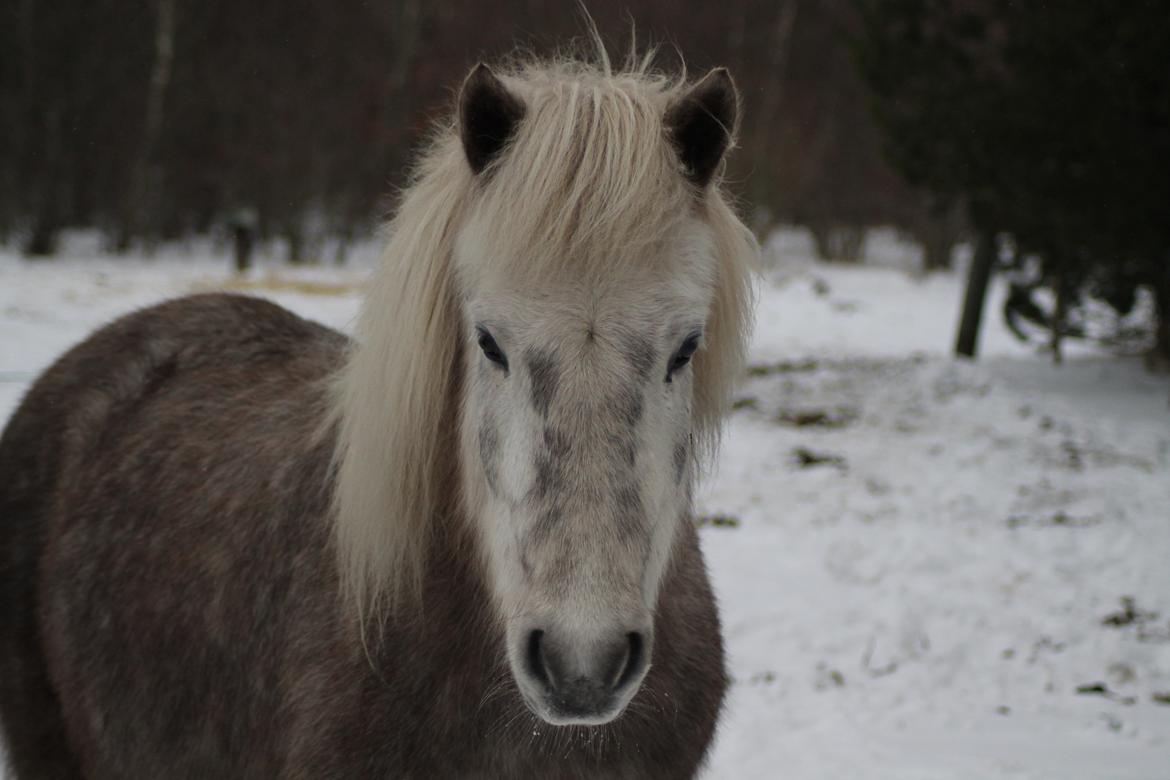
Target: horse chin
[{"x": 552, "y": 713}]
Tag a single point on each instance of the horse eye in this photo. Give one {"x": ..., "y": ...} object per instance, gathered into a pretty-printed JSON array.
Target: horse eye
[
  {"x": 491, "y": 350},
  {"x": 683, "y": 355}
]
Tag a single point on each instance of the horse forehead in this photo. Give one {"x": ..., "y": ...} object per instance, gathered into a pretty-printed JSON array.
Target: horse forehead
[
  {"x": 616, "y": 336},
  {"x": 622, "y": 296}
]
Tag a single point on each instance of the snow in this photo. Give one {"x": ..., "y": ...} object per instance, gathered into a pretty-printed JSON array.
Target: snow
[{"x": 923, "y": 604}]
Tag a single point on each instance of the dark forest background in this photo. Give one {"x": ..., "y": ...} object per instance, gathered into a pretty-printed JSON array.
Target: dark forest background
[
  {"x": 1039, "y": 131},
  {"x": 152, "y": 119}
]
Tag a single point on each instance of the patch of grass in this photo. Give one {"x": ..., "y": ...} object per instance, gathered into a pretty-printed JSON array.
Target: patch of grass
[
  {"x": 806, "y": 459},
  {"x": 717, "y": 521},
  {"x": 1146, "y": 623},
  {"x": 1101, "y": 689},
  {"x": 828, "y": 677},
  {"x": 277, "y": 284},
  {"x": 1129, "y": 615},
  {"x": 783, "y": 367},
  {"x": 1058, "y": 519},
  {"x": 747, "y": 402},
  {"x": 816, "y": 418}
]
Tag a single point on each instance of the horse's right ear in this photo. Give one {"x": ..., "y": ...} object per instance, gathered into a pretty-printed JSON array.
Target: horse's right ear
[{"x": 488, "y": 115}]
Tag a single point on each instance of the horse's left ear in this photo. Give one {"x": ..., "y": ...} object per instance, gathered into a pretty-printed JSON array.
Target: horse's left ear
[
  {"x": 701, "y": 123},
  {"x": 488, "y": 115}
]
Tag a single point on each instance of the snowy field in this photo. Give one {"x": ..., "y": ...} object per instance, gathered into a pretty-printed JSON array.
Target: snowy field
[{"x": 927, "y": 569}]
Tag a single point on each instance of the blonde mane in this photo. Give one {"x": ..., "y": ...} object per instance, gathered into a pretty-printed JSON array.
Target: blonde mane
[{"x": 591, "y": 137}]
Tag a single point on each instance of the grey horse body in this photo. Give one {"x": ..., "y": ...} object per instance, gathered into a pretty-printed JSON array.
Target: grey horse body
[{"x": 170, "y": 599}]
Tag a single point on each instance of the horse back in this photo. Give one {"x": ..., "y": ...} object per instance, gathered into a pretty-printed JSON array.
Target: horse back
[{"x": 163, "y": 482}]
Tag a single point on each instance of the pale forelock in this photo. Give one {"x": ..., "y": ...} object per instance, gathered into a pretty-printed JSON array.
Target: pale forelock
[{"x": 588, "y": 181}]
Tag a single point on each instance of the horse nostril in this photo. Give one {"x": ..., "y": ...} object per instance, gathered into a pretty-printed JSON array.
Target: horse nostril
[
  {"x": 534, "y": 658},
  {"x": 635, "y": 660}
]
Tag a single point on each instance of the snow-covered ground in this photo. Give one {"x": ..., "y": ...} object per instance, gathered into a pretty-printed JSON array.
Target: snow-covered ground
[{"x": 919, "y": 561}]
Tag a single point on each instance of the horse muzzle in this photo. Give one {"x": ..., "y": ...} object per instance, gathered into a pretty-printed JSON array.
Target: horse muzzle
[{"x": 567, "y": 678}]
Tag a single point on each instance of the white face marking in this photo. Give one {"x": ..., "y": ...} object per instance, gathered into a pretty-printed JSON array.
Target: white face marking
[{"x": 577, "y": 444}]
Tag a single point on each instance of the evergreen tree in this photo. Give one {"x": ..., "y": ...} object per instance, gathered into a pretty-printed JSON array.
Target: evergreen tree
[{"x": 1051, "y": 124}]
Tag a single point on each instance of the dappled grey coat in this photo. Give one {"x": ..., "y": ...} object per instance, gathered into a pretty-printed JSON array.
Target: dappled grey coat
[{"x": 169, "y": 592}]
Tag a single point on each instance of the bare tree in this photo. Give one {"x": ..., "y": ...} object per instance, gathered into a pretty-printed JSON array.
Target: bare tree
[{"x": 144, "y": 165}]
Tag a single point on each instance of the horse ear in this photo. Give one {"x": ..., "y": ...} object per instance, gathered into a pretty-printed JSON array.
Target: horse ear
[
  {"x": 701, "y": 123},
  {"x": 488, "y": 115}
]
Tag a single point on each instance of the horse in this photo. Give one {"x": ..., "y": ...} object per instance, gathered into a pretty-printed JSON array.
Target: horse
[{"x": 239, "y": 544}]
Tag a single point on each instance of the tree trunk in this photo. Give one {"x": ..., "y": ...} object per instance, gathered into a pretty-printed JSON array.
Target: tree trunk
[
  {"x": 1159, "y": 358},
  {"x": 42, "y": 241},
  {"x": 760, "y": 136},
  {"x": 937, "y": 228},
  {"x": 838, "y": 243},
  {"x": 768, "y": 110},
  {"x": 341, "y": 253},
  {"x": 20, "y": 122},
  {"x": 407, "y": 27},
  {"x": 294, "y": 236},
  {"x": 242, "y": 244},
  {"x": 48, "y": 191},
  {"x": 937, "y": 254},
  {"x": 1059, "y": 315},
  {"x": 821, "y": 243},
  {"x": 978, "y": 278},
  {"x": 938, "y": 238},
  {"x": 160, "y": 79}
]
